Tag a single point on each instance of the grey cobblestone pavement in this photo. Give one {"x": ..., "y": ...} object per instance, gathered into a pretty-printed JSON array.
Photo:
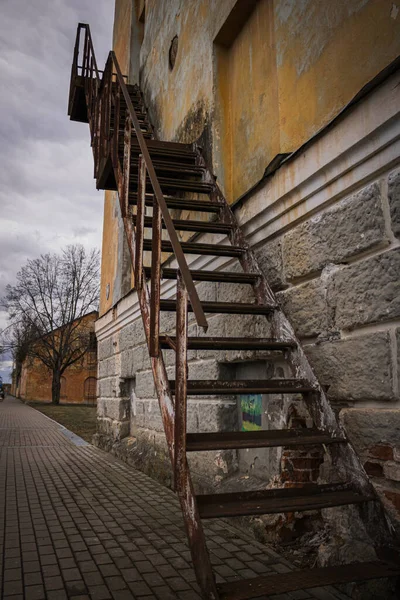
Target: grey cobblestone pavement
[{"x": 78, "y": 523}]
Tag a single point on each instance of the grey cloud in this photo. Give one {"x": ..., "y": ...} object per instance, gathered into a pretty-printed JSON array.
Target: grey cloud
[{"x": 47, "y": 193}]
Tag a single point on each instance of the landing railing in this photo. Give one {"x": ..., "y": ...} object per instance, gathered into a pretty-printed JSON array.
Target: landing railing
[{"x": 103, "y": 96}]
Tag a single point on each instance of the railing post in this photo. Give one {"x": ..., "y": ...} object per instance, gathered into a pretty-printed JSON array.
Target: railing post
[
  {"x": 155, "y": 280},
  {"x": 85, "y": 54},
  {"x": 140, "y": 210},
  {"x": 107, "y": 94},
  {"x": 179, "y": 255},
  {"x": 181, "y": 373},
  {"x": 115, "y": 142}
]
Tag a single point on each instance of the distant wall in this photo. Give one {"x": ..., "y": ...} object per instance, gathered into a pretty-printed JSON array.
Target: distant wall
[{"x": 79, "y": 381}]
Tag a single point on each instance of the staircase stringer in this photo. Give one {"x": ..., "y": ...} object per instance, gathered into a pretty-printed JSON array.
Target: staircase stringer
[
  {"x": 343, "y": 456},
  {"x": 184, "y": 487}
]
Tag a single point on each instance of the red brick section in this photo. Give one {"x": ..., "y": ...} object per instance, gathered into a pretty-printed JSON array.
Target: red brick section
[
  {"x": 382, "y": 463},
  {"x": 77, "y": 523},
  {"x": 300, "y": 465},
  {"x": 382, "y": 452}
]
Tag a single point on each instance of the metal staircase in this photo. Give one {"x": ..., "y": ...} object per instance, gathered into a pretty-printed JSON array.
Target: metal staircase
[{"x": 150, "y": 173}]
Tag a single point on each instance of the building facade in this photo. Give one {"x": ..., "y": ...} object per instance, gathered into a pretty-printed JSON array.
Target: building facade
[
  {"x": 78, "y": 382},
  {"x": 296, "y": 107}
]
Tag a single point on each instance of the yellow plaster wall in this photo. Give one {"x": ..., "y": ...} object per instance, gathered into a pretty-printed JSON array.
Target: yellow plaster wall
[
  {"x": 109, "y": 258},
  {"x": 247, "y": 91},
  {"x": 109, "y": 252},
  {"x": 293, "y": 67},
  {"x": 326, "y": 52}
]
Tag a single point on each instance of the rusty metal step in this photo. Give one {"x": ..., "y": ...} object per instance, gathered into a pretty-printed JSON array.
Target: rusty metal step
[
  {"x": 193, "y": 248},
  {"x": 142, "y": 118},
  {"x": 168, "y": 183},
  {"x": 161, "y": 147},
  {"x": 230, "y": 440},
  {"x": 200, "y": 387},
  {"x": 263, "y": 502},
  {"x": 233, "y": 308},
  {"x": 190, "y": 225},
  {"x": 226, "y": 343},
  {"x": 181, "y": 203},
  {"x": 283, "y": 583},
  {"x": 220, "y": 276},
  {"x": 171, "y": 167}
]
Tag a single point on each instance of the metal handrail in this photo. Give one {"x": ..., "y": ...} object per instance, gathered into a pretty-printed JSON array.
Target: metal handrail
[
  {"x": 180, "y": 257},
  {"x": 88, "y": 69}
]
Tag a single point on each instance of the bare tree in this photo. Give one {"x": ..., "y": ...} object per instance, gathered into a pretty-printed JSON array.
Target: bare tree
[{"x": 46, "y": 308}]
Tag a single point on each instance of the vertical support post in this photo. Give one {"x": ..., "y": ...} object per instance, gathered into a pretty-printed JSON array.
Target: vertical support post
[
  {"x": 181, "y": 374},
  {"x": 107, "y": 109},
  {"x": 155, "y": 280},
  {"x": 115, "y": 136},
  {"x": 140, "y": 210},
  {"x": 85, "y": 54},
  {"x": 126, "y": 168}
]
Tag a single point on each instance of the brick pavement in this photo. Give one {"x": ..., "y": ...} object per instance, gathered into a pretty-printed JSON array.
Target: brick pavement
[{"x": 78, "y": 523}]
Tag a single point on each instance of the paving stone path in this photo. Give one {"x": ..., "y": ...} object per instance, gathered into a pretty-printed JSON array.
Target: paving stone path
[{"x": 75, "y": 522}]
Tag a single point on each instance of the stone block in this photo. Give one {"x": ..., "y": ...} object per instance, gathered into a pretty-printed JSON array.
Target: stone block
[
  {"x": 107, "y": 367},
  {"x": 354, "y": 369},
  {"x": 394, "y": 201},
  {"x": 246, "y": 326},
  {"x": 145, "y": 385},
  {"x": 366, "y": 292},
  {"x": 106, "y": 388},
  {"x": 168, "y": 322},
  {"x": 105, "y": 349},
  {"x": 152, "y": 415},
  {"x": 269, "y": 257},
  {"x": 374, "y": 432},
  {"x": 207, "y": 369},
  {"x": 131, "y": 335},
  {"x": 207, "y": 291},
  {"x": 138, "y": 416},
  {"x": 217, "y": 415},
  {"x": 306, "y": 308},
  {"x": 116, "y": 430},
  {"x": 398, "y": 356},
  {"x": 113, "y": 408},
  {"x": 392, "y": 471},
  {"x": 228, "y": 292},
  {"x": 133, "y": 360},
  {"x": 342, "y": 231}
]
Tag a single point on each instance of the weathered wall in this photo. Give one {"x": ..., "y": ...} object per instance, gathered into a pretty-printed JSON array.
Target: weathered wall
[
  {"x": 283, "y": 73},
  {"x": 326, "y": 232},
  {"x": 337, "y": 276},
  {"x": 250, "y": 90},
  {"x": 114, "y": 258}
]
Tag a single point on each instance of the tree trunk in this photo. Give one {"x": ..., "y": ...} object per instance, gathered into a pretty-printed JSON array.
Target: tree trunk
[{"x": 56, "y": 388}]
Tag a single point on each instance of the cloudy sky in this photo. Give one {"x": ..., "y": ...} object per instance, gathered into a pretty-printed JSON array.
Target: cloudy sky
[{"x": 47, "y": 194}]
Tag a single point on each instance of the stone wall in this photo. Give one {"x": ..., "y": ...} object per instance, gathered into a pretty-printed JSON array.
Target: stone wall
[
  {"x": 127, "y": 403},
  {"x": 337, "y": 276}
]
